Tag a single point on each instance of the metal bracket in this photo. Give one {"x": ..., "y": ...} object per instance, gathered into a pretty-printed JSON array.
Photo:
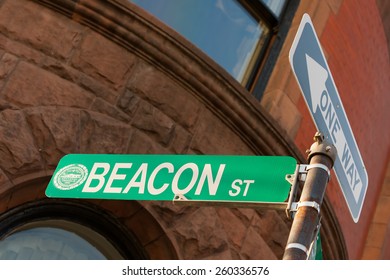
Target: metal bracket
[
  {"x": 303, "y": 169},
  {"x": 319, "y": 165},
  {"x": 179, "y": 197},
  {"x": 297, "y": 246},
  {"x": 301, "y": 176},
  {"x": 294, "y": 179},
  {"x": 296, "y": 205}
]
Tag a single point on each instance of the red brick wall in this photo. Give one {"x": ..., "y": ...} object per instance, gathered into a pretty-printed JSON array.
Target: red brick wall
[{"x": 355, "y": 44}]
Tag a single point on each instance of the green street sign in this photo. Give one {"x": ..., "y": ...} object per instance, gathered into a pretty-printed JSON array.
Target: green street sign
[{"x": 166, "y": 177}]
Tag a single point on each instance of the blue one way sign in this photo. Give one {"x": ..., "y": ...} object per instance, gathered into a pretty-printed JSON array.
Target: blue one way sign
[{"x": 322, "y": 98}]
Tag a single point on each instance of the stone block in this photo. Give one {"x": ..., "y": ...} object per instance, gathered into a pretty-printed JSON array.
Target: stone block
[
  {"x": 18, "y": 153},
  {"x": 166, "y": 95},
  {"x": 286, "y": 113},
  {"x": 104, "y": 60},
  {"x": 106, "y": 108},
  {"x": 56, "y": 132},
  {"x": 201, "y": 235},
  {"x": 21, "y": 50},
  {"x": 129, "y": 102},
  {"x": 32, "y": 86},
  {"x": 43, "y": 25},
  {"x": 7, "y": 64},
  {"x": 121, "y": 209},
  {"x": 213, "y": 136},
  {"x": 140, "y": 143},
  {"x": 161, "y": 249},
  {"x": 101, "y": 134},
  {"x": 273, "y": 229},
  {"x": 233, "y": 225},
  {"x": 181, "y": 140},
  {"x": 95, "y": 86},
  {"x": 255, "y": 248},
  {"x": 154, "y": 123},
  {"x": 146, "y": 232}
]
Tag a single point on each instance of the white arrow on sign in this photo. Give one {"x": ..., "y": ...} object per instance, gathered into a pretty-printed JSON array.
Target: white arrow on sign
[{"x": 321, "y": 101}]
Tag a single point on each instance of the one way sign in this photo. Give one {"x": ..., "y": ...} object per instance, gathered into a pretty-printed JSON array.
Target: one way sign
[{"x": 320, "y": 93}]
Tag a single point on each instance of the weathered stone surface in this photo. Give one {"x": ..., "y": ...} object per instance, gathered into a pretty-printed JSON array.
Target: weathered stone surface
[
  {"x": 43, "y": 25},
  {"x": 103, "y": 107},
  {"x": 140, "y": 143},
  {"x": 5, "y": 185},
  {"x": 161, "y": 249},
  {"x": 33, "y": 192},
  {"x": 104, "y": 60},
  {"x": 121, "y": 208},
  {"x": 167, "y": 213},
  {"x": 234, "y": 227},
  {"x": 154, "y": 123},
  {"x": 86, "y": 82},
  {"x": 255, "y": 248},
  {"x": 224, "y": 255},
  {"x": 129, "y": 102},
  {"x": 273, "y": 229},
  {"x": 214, "y": 137},
  {"x": 165, "y": 94},
  {"x": 102, "y": 134},
  {"x": 181, "y": 140},
  {"x": 18, "y": 152},
  {"x": 144, "y": 227},
  {"x": 246, "y": 214},
  {"x": 7, "y": 64},
  {"x": 56, "y": 132},
  {"x": 32, "y": 86},
  {"x": 201, "y": 234},
  {"x": 20, "y": 50},
  {"x": 161, "y": 128}
]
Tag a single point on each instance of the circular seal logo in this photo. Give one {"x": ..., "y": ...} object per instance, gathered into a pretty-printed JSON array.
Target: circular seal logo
[{"x": 70, "y": 176}]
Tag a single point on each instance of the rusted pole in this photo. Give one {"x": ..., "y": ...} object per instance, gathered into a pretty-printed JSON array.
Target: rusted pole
[{"x": 321, "y": 157}]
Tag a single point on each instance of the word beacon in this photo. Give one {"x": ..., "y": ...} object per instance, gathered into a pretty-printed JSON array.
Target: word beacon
[{"x": 162, "y": 177}]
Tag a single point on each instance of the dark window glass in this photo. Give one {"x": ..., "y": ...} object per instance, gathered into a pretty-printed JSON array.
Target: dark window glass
[
  {"x": 64, "y": 230},
  {"x": 276, "y": 6},
  {"x": 56, "y": 239},
  {"x": 46, "y": 243},
  {"x": 233, "y": 33}
]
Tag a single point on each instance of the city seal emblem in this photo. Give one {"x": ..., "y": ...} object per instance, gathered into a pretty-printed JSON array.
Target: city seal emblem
[{"x": 70, "y": 176}]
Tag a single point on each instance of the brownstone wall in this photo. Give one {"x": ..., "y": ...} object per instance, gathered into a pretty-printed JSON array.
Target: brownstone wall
[{"x": 65, "y": 88}]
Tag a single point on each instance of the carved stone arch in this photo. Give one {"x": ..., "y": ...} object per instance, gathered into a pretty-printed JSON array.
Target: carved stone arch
[
  {"x": 29, "y": 170},
  {"x": 123, "y": 223}
]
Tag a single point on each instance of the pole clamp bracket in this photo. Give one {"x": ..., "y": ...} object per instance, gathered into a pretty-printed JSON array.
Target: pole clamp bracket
[
  {"x": 319, "y": 165},
  {"x": 296, "y": 205},
  {"x": 297, "y": 246},
  {"x": 304, "y": 168}
]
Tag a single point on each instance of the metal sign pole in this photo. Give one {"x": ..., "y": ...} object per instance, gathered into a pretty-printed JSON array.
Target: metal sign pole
[{"x": 321, "y": 158}]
